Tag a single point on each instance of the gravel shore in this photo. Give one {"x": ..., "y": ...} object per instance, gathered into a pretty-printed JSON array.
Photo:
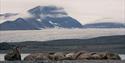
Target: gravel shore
[{"x": 67, "y": 61}]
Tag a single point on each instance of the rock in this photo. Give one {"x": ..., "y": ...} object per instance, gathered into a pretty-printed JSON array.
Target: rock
[{"x": 13, "y": 55}]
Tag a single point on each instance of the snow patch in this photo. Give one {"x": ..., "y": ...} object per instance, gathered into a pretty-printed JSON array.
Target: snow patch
[
  {"x": 39, "y": 20},
  {"x": 55, "y": 24}
]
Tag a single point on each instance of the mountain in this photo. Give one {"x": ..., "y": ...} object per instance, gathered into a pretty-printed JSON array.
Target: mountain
[
  {"x": 42, "y": 17},
  {"x": 52, "y": 16},
  {"x": 18, "y": 24},
  {"x": 104, "y": 25}
]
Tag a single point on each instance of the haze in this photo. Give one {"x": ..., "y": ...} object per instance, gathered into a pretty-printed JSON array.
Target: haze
[{"x": 55, "y": 34}]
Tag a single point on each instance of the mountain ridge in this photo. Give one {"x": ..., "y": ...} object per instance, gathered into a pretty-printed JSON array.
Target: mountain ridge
[
  {"x": 47, "y": 16},
  {"x": 104, "y": 25},
  {"x": 43, "y": 17}
]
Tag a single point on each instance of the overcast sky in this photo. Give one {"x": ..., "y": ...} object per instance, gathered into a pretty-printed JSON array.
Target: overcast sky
[{"x": 85, "y": 11}]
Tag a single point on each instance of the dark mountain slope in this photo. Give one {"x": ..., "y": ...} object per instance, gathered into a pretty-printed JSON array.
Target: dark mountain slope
[
  {"x": 18, "y": 24},
  {"x": 52, "y": 16},
  {"x": 104, "y": 25}
]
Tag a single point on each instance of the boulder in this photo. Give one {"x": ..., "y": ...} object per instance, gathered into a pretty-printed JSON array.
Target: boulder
[{"x": 13, "y": 55}]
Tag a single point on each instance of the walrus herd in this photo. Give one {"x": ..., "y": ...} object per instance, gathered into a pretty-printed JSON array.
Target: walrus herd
[
  {"x": 55, "y": 56},
  {"x": 80, "y": 55}
]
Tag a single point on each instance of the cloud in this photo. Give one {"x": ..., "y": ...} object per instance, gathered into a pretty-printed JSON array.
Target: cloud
[{"x": 83, "y": 10}]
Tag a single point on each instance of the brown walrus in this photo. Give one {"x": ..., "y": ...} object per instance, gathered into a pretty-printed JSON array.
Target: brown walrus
[
  {"x": 80, "y": 55},
  {"x": 57, "y": 56},
  {"x": 98, "y": 56},
  {"x": 13, "y": 55},
  {"x": 37, "y": 56}
]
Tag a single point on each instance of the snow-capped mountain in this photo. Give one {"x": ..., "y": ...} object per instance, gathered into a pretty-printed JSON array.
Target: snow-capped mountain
[
  {"x": 51, "y": 16},
  {"x": 42, "y": 17},
  {"x": 104, "y": 25}
]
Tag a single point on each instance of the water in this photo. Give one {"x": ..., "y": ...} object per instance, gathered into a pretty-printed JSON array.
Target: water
[
  {"x": 122, "y": 56},
  {"x": 53, "y": 34},
  {"x": 24, "y": 55}
]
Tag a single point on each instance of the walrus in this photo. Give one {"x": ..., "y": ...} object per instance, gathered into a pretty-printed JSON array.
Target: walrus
[
  {"x": 13, "y": 55},
  {"x": 37, "y": 56}
]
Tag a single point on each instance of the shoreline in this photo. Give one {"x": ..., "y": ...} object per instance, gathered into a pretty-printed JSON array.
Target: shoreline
[
  {"x": 68, "y": 61},
  {"x": 24, "y": 55}
]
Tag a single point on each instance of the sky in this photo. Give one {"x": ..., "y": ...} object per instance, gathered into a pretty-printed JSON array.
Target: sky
[{"x": 86, "y": 11}]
